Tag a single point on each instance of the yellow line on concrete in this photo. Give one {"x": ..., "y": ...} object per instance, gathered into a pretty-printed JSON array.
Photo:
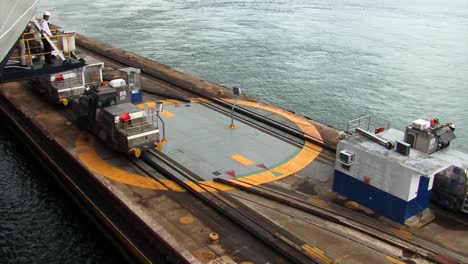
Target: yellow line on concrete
[
  {"x": 167, "y": 114},
  {"x": 97, "y": 165},
  {"x": 317, "y": 254},
  {"x": 200, "y": 100},
  {"x": 394, "y": 260},
  {"x": 300, "y": 121},
  {"x": 318, "y": 202},
  {"x": 401, "y": 232},
  {"x": 242, "y": 160},
  {"x": 152, "y": 104},
  {"x": 305, "y": 156}
]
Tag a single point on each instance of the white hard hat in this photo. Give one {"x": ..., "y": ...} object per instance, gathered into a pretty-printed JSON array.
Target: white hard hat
[{"x": 46, "y": 13}]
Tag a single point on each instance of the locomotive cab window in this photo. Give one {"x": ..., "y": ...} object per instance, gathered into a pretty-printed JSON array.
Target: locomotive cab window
[{"x": 105, "y": 101}]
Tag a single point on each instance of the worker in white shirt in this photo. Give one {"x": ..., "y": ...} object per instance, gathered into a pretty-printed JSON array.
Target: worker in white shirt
[{"x": 46, "y": 31}]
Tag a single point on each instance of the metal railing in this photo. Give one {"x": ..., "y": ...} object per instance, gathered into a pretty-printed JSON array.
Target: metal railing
[
  {"x": 30, "y": 46},
  {"x": 368, "y": 122},
  {"x": 140, "y": 124}
]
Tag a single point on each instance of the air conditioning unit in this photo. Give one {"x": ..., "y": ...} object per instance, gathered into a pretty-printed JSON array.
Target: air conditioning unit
[
  {"x": 421, "y": 124},
  {"x": 346, "y": 157}
]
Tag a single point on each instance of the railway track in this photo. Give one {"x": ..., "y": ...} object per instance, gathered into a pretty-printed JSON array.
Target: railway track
[
  {"x": 275, "y": 237},
  {"x": 350, "y": 219},
  {"x": 279, "y": 239}
]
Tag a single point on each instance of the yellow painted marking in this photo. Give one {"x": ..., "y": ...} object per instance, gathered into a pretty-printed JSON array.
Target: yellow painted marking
[
  {"x": 185, "y": 220},
  {"x": 96, "y": 164},
  {"x": 242, "y": 160},
  {"x": 314, "y": 249},
  {"x": 351, "y": 205},
  {"x": 317, "y": 254},
  {"x": 297, "y": 163},
  {"x": 394, "y": 260},
  {"x": 300, "y": 121},
  {"x": 167, "y": 114},
  {"x": 318, "y": 202},
  {"x": 304, "y": 157},
  {"x": 200, "y": 100},
  {"x": 401, "y": 232},
  {"x": 152, "y": 104},
  {"x": 149, "y": 104}
]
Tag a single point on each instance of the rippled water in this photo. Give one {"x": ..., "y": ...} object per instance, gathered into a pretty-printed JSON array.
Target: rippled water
[
  {"x": 330, "y": 60},
  {"x": 38, "y": 222}
]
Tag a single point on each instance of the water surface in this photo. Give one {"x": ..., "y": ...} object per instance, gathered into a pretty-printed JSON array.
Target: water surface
[
  {"x": 38, "y": 222},
  {"x": 330, "y": 60}
]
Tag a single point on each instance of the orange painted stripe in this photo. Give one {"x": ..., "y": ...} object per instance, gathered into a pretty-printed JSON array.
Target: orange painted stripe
[
  {"x": 394, "y": 260},
  {"x": 167, "y": 114},
  {"x": 97, "y": 165},
  {"x": 242, "y": 160},
  {"x": 401, "y": 232}
]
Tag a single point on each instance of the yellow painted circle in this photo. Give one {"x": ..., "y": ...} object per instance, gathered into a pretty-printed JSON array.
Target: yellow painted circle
[
  {"x": 186, "y": 220},
  {"x": 306, "y": 155}
]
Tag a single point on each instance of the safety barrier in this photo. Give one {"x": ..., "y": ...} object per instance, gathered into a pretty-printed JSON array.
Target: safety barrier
[
  {"x": 369, "y": 123},
  {"x": 30, "y": 46}
]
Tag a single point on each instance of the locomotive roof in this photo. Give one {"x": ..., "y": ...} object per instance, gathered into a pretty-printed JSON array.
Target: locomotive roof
[{"x": 122, "y": 108}]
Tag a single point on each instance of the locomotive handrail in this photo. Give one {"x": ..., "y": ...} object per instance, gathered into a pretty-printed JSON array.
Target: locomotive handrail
[{"x": 139, "y": 123}]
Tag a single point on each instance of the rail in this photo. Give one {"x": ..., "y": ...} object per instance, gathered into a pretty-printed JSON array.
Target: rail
[
  {"x": 348, "y": 219},
  {"x": 280, "y": 240},
  {"x": 367, "y": 122}
]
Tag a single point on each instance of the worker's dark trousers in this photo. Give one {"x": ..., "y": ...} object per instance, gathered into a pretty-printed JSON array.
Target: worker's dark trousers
[{"x": 47, "y": 51}]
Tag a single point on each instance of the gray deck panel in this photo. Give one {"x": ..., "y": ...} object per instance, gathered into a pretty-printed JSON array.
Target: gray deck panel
[{"x": 207, "y": 143}]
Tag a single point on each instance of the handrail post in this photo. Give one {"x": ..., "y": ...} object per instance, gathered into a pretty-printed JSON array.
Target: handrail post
[
  {"x": 29, "y": 52},
  {"x": 236, "y": 93}
]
